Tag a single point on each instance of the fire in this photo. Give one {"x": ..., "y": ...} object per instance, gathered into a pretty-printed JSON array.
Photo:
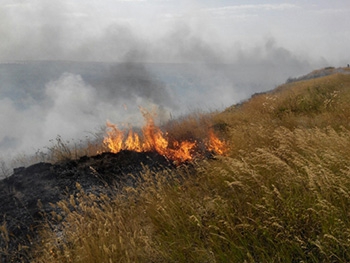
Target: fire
[
  {"x": 215, "y": 144},
  {"x": 152, "y": 138}
]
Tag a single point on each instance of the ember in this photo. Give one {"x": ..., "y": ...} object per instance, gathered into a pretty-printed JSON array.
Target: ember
[{"x": 152, "y": 138}]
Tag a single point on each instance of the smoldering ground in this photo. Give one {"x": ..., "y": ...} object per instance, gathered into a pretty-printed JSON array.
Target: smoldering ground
[{"x": 65, "y": 74}]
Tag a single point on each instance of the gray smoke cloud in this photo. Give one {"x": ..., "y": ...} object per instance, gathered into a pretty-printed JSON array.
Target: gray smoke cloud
[
  {"x": 82, "y": 73},
  {"x": 129, "y": 81}
]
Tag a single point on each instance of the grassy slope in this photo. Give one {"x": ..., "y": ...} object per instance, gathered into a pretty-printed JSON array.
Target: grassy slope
[{"x": 282, "y": 194}]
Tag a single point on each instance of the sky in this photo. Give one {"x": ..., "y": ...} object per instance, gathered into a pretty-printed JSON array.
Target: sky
[
  {"x": 234, "y": 49},
  {"x": 144, "y": 29}
]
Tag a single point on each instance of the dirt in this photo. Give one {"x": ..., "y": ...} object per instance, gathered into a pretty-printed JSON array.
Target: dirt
[{"x": 25, "y": 196}]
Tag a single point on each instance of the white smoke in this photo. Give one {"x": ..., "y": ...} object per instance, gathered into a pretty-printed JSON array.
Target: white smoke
[{"x": 209, "y": 63}]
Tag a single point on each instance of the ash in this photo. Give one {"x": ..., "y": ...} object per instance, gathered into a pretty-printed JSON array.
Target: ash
[{"x": 26, "y": 195}]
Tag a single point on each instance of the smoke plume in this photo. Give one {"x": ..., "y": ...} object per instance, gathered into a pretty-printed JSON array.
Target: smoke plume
[{"x": 65, "y": 69}]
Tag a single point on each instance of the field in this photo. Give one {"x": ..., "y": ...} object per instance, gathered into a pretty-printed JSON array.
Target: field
[{"x": 280, "y": 194}]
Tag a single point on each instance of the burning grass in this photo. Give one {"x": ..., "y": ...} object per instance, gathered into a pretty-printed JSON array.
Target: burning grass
[
  {"x": 281, "y": 193},
  {"x": 152, "y": 138}
]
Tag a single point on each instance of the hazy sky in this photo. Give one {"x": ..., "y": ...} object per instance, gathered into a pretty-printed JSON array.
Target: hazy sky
[
  {"x": 165, "y": 30},
  {"x": 235, "y": 48}
]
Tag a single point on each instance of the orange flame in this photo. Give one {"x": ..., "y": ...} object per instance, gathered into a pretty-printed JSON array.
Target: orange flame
[
  {"x": 216, "y": 145},
  {"x": 152, "y": 138}
]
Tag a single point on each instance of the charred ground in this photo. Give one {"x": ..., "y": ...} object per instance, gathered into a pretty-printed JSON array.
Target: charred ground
[{"x": 26, "y": 197}]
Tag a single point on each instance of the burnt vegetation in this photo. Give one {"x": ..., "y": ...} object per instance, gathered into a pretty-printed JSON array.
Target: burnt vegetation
[{"x": 281, "y": 192}]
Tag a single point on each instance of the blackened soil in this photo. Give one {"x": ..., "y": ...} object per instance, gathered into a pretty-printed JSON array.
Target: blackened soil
[{"x": 26, "y": 195}]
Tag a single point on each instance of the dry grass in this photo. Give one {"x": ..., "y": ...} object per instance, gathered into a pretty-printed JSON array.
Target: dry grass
[
  {"x": 62, "y": 150},
  {"x": 193, "y": 126},
  {"x": 59, "y": 150},
  {"x": 281, "y": 195}
]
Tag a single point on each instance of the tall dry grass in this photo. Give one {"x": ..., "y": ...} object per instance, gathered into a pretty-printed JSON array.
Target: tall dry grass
[
  {"x": 282, "y": 194},
  {"x": 59, "y": 150}
]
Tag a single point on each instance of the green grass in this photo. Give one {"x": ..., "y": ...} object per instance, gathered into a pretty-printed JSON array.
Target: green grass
[{"x": 282, "y": 193}]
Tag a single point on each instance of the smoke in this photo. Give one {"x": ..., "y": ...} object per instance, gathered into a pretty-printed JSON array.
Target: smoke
[
  {"x": 74, "y": 31},
  {"x": 176, "y": 64},
  {"x": 71, "y": 108},
  {"x": 128, "y": 81}
]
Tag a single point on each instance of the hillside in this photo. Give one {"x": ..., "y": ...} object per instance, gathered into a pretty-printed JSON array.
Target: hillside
[{"x": 281, "y": 192}]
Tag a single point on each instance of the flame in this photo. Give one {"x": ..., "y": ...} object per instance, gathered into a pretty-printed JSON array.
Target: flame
[
  {"x": 151, "y": 138},
  {"x": 215, "y": 144}
]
